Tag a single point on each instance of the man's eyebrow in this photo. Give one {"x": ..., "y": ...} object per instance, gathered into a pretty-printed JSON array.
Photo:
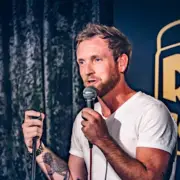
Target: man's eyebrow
[{"x": 94, "y": 57}]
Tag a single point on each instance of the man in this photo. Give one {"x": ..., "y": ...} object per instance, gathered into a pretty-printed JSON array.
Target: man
[{"x": 133, "y": 134}]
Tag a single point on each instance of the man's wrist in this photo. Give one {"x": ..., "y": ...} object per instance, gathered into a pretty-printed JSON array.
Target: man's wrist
[
  {"x": 103, "y": 141},
  {"x": 39, "y": 150}
]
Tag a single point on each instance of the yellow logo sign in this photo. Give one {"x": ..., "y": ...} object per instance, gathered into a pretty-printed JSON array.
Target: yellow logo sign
[{"x": 167, "y": 67}]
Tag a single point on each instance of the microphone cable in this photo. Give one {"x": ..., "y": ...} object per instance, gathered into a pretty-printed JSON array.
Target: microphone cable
[
  {"x": 105, "y": 177},
  {"x": 90, "y": 165}
]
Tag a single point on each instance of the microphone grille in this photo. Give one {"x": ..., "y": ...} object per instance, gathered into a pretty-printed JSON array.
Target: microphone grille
[{"x": 90, "y": 93}]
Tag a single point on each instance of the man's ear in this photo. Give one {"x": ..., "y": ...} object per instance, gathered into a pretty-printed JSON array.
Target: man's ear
[{"x": 122, "y": 63}]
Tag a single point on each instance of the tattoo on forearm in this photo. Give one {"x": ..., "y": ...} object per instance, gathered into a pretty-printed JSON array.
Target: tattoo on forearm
[{"x": 56, "y": 165}]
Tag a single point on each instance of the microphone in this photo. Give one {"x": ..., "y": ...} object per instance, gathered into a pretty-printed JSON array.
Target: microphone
[
  {"x": 33, "y": 172},
  {"x": 90, "y": 94}
]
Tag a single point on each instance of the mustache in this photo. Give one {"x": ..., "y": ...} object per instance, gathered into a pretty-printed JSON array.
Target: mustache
[{"x": 88, "y": 78}]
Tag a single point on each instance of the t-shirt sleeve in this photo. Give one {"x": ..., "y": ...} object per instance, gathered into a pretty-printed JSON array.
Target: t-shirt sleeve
[
  {"x": 157, "y": 129},
  {"x": 76, "y": 148}
]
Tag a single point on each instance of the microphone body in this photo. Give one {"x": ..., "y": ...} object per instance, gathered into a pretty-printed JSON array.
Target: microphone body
[
  {"x": 90, "y": 104},
  {"x": 90, "y": 94},
  {"x": 34, "y": 144}
]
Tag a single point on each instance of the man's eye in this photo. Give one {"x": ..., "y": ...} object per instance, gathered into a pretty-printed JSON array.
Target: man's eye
[
  {"x": 81, "y": 62},
  {"x": 98, "y": 59}
]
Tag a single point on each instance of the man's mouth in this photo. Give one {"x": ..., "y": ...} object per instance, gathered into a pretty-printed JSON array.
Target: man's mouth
[{"x": 91, "y": 81}]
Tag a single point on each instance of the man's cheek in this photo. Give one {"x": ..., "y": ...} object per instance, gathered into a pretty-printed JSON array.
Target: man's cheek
[{"x": 82, "y": 75}]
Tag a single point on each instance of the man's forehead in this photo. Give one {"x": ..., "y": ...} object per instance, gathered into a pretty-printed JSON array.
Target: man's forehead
[{"x": 92, "y": 47}]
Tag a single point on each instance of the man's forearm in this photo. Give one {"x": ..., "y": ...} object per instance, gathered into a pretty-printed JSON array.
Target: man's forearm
[
  {"x": 54, "y": 167},
  {"x": 126, "y": 167}
]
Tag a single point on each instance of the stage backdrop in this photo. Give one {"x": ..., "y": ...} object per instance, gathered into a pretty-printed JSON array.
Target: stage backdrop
[
  {"x": 154, "y": 30},
  {"x": 38, "y": 71}
]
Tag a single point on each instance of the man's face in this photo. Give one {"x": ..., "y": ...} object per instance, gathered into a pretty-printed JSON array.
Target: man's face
[{"x": 97, "y": 66}]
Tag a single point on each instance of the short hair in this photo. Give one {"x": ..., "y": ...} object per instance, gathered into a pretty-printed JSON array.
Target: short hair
[{"x": 118, "y": 43}]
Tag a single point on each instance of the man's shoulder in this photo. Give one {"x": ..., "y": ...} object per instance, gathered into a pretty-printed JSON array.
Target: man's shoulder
[
  {"x": 148, "y": 101},
  {"x": 153, "y": 108}
]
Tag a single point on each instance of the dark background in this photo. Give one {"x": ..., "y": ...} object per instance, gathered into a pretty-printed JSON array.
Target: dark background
[{"x": 38, "y": 65}]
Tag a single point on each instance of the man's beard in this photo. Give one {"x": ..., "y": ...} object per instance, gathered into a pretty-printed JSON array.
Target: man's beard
[{"x": 106, "y": 87}]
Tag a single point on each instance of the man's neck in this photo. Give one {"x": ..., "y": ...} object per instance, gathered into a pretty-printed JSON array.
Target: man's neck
[{"x": 115, "y": 98}]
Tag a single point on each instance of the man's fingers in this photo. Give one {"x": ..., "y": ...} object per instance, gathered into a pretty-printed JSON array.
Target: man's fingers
[
  {"x": 29, "y": 145},
  {"x": 32, "y": 122},
  {"x": 84, "y": 123},
  {"x": 41, "y": 117},
  {"x": 87, "y": 117},
  {"x": 32, "y": 129},
  {"x": 33, "y": 132},
  {"x": 32, "y": 113},
  {"x": 91, "y": 112}
]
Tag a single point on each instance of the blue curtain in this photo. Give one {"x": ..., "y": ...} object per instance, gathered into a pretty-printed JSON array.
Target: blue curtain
[{"x": 38, "y": 71}]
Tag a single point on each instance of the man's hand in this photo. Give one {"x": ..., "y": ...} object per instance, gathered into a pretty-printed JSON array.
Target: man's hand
[
  {"x": 32, "y": 127},
  {"x": 94, "y": 126}
]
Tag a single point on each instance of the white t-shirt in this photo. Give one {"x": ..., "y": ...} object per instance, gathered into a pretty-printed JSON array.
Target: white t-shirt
[{"x": 142, "y": 121}]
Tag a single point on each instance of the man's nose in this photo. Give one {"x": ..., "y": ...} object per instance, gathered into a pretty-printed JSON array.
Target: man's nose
[{"x": 89, "y": 68}]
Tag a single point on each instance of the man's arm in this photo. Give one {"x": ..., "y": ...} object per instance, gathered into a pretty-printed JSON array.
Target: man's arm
[
  {"x": 150, "y": 163},
  {"x": 54, "y": 167},
  {"x": 57, "y": 169},
  {"x": 77, "y": 168}
]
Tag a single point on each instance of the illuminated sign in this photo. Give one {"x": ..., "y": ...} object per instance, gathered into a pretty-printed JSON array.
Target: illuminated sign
[{"x": 167, "y": 69}]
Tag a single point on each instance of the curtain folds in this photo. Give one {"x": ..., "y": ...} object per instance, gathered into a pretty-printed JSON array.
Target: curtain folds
[{"x": 38, "y": 71}]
